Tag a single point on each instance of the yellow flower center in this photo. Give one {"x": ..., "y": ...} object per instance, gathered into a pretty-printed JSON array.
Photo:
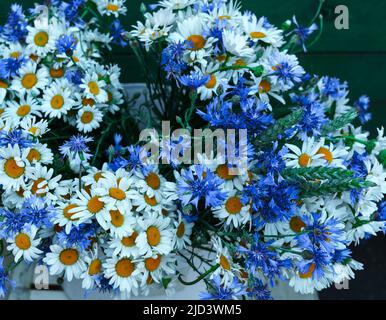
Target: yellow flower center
[
  {"x": 57, "y": 102},
  {"x": 223, "y": 172},
  {"x": 180, "y": 230},
  {"x": 41, "y": 38},
  {"x": 67, "y": 214},
  {"x": 153, "y": 236},
  {"x": 152, "y": 264},
  {"x": 240, "y": 63},
  {"x": 211, "y": 82},
  {"x": 150, "y": 201},
  {"x": 225, "y": 17},
  {"x": 129, "y": 241},
  {"x": 296, "y": 224},
  {"x": 257, "y": 35},
  {"x": 57, "y": 73},
  {"x": 15, "y": 54},
  {"x": 34, "y": 154},
  {"x": 112, "y": 7},
  {"x": 87, "y": 117},
  {"x": 94, "y": 88},
  {"x": 88, "y": 102},
  {"x": 224, "y": 263},
  {"x": 95, "y": 267},
  {"x": 117, "y": 194},
  {"x": 39, "y": 185},
  {"x": 309, "y": 272},
  {"x": 233, "y": 205},
  {"x": 198, "y": 42},
  {"x": 327, "y": 154},
  {"x": 29, "y": 80},
  {"x": 153, "y": 181},
  {"x": 94, "y": 205},
  {"x": 264, "y": 86},
  {"x": 304, "y": 160},
  {"x": 117, "y": 218},
  {"x": 69, "y": 257},
  {"x": 23, "y": 110},
  {"x": 23, "y": 241},
  {"x": 124, "y": 268},
  {"x": 12, "y": 169}
]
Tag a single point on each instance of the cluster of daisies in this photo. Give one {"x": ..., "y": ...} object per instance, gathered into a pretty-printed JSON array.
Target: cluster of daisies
[
  {"x": 50, "y": 69},
  {"x": 315, "y": 181},
  {"x": 115, "y": 229}
]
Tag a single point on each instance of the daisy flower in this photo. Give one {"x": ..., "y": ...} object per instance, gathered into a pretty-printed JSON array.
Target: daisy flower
[
  {"x": 183, "y": 231},
  {"x": 30, "y": 80},
  {"x": 24, "y": 244},
  {"x": 115, "y": 191},
  {"x": 158, "y": 267},
  {"x": 125, "y": 246},
  {"x": 223, "y": 258},
  {"x": 90, "y": 205},
  {"x": 123, "y": 273},
  {"x": 14, "y": 165},
  {"x": 334, "y": 155},
  {"x": 257, "y": 31},
  {"x": 25, "y": 110},
  {"x": 216, "y": 80},
  {"x": 57, "y": 100},
  {"x": 156, "y": 236},
  {"x": 34, "y": 127},
  {"x": 94, "y": 269},
  {"x": 233, "y": 213},
  {"x": 68, "y": 260},
  {"x": 64, "y": 217},
  {"x": 41, "y": 39},
  {"x": 237, "y": 44},
  {"x": 94, "y": 88},
  {"x": 89, "y": 118},
  {"x": 306, "y": 156},
  {"x": 40, "y": 153},
  {"x": 111, "y": 7},
  {"x": 120, "y": 224}
]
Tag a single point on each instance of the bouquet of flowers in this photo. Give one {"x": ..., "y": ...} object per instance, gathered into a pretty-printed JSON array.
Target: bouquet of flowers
[{"x": 285, "y": 201}]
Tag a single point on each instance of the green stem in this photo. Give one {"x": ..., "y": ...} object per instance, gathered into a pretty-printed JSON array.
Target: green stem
[
  {"x": 287, "y": 250},
  {"x": 201, "y": 277},
  {"x": 319, "y": 33},
  {"x": 321, "y": 2}
]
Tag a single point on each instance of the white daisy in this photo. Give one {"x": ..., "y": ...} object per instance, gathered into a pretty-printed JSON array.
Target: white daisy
[
  {"x": 25, "y": 110},
  {"x": 94, "y": 88},
  {"x": 182, "y": 233},
  {"x": 67, "y": 260},
  {"x": 88, "y": 119},
  {"x": 257, "y": 31},
  {"x": 65, "y": 217},
  {"x": 125, "y": 246},
  {"x": 237, "y": 44},
  {"x": 24, "y": 244},
  {"x": 156, "y": 236},
  {"x": 14, "y": 165},
  {"x": 30, "y": 80},
  {"x": 157, "y": 268},
  {"x": 306, "y": 156},
  {"x": 111, "y": 7},
  {"x": 40, "y": 153},
  {"x": 57, "y": 100}
]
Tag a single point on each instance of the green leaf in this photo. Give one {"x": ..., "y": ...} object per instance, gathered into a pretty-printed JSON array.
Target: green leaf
[{"x": 339, "y": 122}]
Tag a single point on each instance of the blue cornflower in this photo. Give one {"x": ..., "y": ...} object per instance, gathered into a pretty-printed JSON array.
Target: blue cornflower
[
  {"x": 37, "y": 212},
  {"x": 5, "y": 281},
  {"x": 75, "y": 76},
  {"x": 241, "y": 89},
  {"x": 9, "y": 67},
  {"x": 332, "y": 87},
  {"x": 71, "y": 11},
  {"x": 313, "y": 117},
  {"x": 76, "y": 148},
  {"x": 316, "y": 262},
  {"x": 233, "y": 291},
  {"x": 342, "y": 256},
  {"x": 286, "y": 69},
  {"x": 261, "y": 257},
  {"x": 172, "y": 59},
  {"x": 219, "y": 114},
  {"x": 253, "y": 113},
  {"x": 198, "y": 183},
  {"x": 15, "y": 28},
  {"x": 132, "y": 162},
  {"x": 79, "y": 236},
  {"x": 362, "y": 106},
  {"x": 194, "y": 80},
  {"x": 117, "y": 32},
  {"x": 66, "y": 44},
  {"x": 357, "y": 164},
  {"x": 327, "y": 234},
  {"x": 271, "y": 202},
  {"x": 14, "y": 137},
  {"x": 10, "y": 223},
  {"x": 302, "y": 33},
  {"x": 272, "y": 162},
  {"x": 103, "y": 285},
  {"x": 257, "y": 290}
]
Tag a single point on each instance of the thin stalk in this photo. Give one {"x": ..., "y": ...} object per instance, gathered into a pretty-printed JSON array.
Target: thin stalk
[{"x": 201, "y": 277}]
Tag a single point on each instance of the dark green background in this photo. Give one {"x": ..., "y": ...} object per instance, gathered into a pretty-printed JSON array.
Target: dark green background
[{"x": 357, "y": 55}]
